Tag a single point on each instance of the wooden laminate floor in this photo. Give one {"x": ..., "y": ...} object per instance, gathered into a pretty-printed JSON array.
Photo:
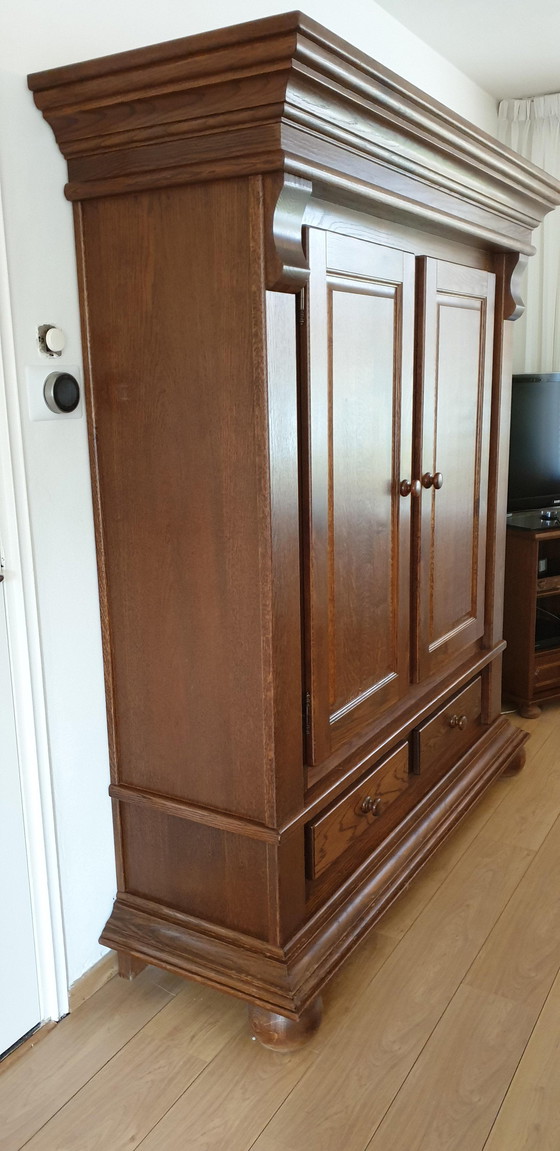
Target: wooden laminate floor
[{"x": 442, "y": 1032}]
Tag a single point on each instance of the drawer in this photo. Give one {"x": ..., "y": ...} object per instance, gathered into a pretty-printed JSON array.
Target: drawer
[
  {"x": 439, "y": 742},
  {"x": 361, "y": 814},
  {"x": 547, "y": 670}
]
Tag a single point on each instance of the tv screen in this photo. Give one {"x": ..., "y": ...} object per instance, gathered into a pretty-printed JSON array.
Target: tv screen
[{"x": 534, "y": 454}]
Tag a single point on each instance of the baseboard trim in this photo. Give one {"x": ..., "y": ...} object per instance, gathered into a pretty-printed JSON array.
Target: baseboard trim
[
  {"x": 9, "y": 1057},
  {"x": 92, "y": 980}
]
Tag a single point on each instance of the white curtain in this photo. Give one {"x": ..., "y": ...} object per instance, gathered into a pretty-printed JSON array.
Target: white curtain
[{"x": 532, "y": 128}]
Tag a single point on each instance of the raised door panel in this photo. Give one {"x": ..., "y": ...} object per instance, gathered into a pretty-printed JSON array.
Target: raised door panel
[
  {"x": 358, "y": 447},
  {"x": 456, "y": 312}
]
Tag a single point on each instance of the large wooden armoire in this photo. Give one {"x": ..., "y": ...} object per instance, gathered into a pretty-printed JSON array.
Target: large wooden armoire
[{"x": 297, "y": 274}]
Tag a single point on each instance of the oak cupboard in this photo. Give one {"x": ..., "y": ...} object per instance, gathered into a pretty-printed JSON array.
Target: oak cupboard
[{"x": 297, "y": 275}]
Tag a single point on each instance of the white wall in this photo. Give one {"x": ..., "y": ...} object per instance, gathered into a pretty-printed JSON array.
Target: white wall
[
  {"x": 43, "y": 290},
  {"x": 42, "y": 276},
  {"x": 40, "y": 35}
]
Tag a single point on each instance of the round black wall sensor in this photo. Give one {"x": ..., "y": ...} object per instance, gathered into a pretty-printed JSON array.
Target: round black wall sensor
[{"x": 62, "y": 393}]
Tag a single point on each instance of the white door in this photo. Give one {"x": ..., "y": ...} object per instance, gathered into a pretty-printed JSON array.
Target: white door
[
  {"x": 19, "y": 994},
  {"x": 33, "y": 977}
]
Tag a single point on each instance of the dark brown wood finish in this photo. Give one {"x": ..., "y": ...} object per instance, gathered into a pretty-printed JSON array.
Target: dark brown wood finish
[
  {"x": 442, "y": 740},
  {"x": 531, "y": 676},
  {"x": 360, "y": 336},
  {"x": 297, "y": 615},
  {"x": 280, "y": 1033},
  {"x": 362, "y": 812},
  {"x": 522, "y": 550},
  {"x": 198, "y": 870},
  {"x": 129, "y": 966},
  {"x": 456, "y": 312},
  {"x": 508, "y": 305},
  {"x": 239, "y": 100}
]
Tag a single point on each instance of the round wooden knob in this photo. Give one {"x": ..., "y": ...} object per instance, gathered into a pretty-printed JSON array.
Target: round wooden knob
[
  {"x": 371, "y": 806},
  {"x": 459, "y": 721},
  {"x": 432, "y": 481},
  {"x": 410, "y": 487}
]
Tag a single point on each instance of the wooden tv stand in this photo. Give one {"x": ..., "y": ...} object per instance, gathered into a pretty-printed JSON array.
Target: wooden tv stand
[{"x": 532, "y": 612}]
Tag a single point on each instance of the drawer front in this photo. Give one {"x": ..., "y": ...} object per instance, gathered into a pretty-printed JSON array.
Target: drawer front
[
  {"x": 547, "y": 671},
  {"x": 360, "y": 815},
  {"x": 439, "y": 742}
]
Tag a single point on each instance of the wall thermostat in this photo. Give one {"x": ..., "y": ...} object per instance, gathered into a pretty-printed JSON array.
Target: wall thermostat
[
  {"x": 61, "y": 392},
  {"x": 55, "y": 395}
]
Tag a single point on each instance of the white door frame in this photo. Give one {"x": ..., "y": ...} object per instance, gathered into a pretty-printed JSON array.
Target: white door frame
[{"x": 27, "y": 676}]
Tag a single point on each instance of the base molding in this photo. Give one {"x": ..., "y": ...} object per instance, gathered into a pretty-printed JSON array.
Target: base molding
[
  {"x": 286, "y": 980},
  {"x": 93, "y": 979}
]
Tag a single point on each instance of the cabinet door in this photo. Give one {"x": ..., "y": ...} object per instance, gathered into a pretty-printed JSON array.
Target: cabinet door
[
  {"x": 455, "y": 318},
  {"x": 357, "y": 448}
]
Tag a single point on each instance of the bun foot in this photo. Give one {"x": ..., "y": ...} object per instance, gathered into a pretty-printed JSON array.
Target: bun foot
[
  {"x": 280, "y": 1033},
  {"x": 530, "y": 711},
  {"x": 516, "y": 764}
]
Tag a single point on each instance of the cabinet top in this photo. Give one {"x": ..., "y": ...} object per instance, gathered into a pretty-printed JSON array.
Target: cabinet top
[
  {"x": 285, "y": 95},
  {"x": 535, "y": 523}
]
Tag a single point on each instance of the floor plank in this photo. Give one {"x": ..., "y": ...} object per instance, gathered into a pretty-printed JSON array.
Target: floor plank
[
  {"x": 229, "y": 1105},
  {"x": 532, "y": 803},
  {"x": 454, "y": 1091},
  {"x": 35, "y": 1088},
  {"x": 521, "y": 957},
  {"x": 131, "y": 1093},
  {"x": 530, "y": 1117}
]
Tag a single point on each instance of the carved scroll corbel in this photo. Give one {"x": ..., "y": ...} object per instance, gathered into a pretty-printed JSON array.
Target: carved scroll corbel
[
  {"x": 515, "y": 265},
  {"x": 286, "y": 198}
]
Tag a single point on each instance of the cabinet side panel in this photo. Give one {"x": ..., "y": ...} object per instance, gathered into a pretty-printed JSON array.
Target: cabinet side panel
[
  {"x": 176, "y": 413},
  {"x": 200, "y": 871}
]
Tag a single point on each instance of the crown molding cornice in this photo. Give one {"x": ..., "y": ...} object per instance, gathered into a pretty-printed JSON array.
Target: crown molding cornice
[{"x": 285, "y": 99}]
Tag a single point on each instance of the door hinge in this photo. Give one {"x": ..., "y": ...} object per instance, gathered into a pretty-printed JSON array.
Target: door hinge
[
  {"x": 307, "y": 713},
  {"x": 301, "y": 306}
]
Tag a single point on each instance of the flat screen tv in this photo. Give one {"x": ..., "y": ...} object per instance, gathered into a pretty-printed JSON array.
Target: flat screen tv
[{"x": 534, "y": 454}]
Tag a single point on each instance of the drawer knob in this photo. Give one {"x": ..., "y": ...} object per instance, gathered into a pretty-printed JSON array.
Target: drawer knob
[
  {"x": 432, "y": 481},
  {"x": 371, "y": 806},
  {"x": 410, "y": 487},
  {"x": 459, "y": 721}
]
